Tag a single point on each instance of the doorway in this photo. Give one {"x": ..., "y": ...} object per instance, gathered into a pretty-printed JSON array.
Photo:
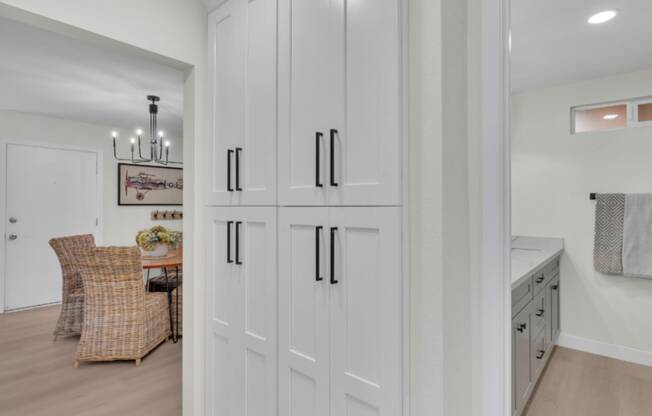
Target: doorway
[{"x": 49, "y": 192}]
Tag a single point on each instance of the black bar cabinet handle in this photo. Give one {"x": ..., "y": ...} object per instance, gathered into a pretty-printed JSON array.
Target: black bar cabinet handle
[
  {"x": 317, "y": 260},
  {"x": 539, "y": 312},
  {"x": 229, "y": 153},
  {"x": 237, "y": 242},
  {"x": 228, "y": 241},
  {"x": 333, "y": 280},
  {"x": 238, "y": 150},
  {"x": 318, "y": 137},
  {"x": 333, "y": 134},
  {"x": 540, "y": 354}
]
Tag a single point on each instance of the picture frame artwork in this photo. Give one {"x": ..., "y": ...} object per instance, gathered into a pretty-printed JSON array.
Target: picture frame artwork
[{"x": 149, "y": 185}]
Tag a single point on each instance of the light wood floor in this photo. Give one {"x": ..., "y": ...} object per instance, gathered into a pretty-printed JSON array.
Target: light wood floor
[
  {"x": 580, "y": 384},
  {"x": 37, "y": 377}
]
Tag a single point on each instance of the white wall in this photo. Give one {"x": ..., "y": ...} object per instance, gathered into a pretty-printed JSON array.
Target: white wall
[
  {"x": 553, "y": 174},
  {"x": 172, "y": 30},
  {"x": 120, "y": 223}
]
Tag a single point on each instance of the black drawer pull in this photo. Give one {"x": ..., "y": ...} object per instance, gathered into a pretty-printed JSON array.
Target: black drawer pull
[
  {"x": 238, "y": 150},
  {"x": 228, "y": 241},
  {"x": 521, "y": 328},
  {"x": 229, "y": 153},
  {"x": 540, "y": 354},
  {"x": 555, "y": 287},
  {"x": 237, "y": 242},
  {"x": 333, "y": 280},
  {"x": 332, "y": 177},
  {"x": 539, "y": 312},
  {"x": 318, "y": 137},
  {"x": 540, "y": 279},
  {"x": 317, "y": 260}
]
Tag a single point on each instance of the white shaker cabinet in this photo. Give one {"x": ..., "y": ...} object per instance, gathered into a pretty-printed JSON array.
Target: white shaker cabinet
[
  {"x": 339, "y": 102},
  {"x": 340, "y": 311},
  {"x": 241, "y": 159},
  {"x": 241, "y": 297}
]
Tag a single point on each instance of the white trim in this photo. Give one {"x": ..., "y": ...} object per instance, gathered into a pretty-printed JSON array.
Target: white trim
[
  {"x": 618, "y": 352},
  {"x": 493, "y": 367},
  {"x": 99, "y": 171}
]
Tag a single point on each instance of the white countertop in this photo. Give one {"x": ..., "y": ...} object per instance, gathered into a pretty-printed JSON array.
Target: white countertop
[{"x": 530, "y": 253}]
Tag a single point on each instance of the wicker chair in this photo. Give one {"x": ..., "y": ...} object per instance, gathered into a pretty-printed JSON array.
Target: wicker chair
[
  {"x": 72, "y": 298},
  {"x": 121, "y": 321}
]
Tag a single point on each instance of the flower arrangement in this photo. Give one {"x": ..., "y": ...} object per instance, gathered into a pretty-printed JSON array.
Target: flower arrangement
[{"x": 149, "y": 239}]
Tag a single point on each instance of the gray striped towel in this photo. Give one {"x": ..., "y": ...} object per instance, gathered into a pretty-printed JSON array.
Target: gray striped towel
[{"x": 608, "y": 243}]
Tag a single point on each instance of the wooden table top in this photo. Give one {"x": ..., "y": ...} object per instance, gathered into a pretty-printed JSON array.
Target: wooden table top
[{"x": 162, "y": 262}]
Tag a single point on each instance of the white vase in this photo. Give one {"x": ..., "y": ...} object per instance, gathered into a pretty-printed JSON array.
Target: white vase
[{"x": 160, "y": 250}]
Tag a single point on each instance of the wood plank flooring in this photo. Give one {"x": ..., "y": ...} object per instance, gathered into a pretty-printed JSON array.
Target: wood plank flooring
[
  {"x": 37, "y": 377},
  {"x": 580, "y": 384}
]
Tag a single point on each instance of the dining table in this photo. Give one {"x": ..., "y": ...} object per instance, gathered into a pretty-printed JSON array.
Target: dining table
[{"x": 167, "y": 264}]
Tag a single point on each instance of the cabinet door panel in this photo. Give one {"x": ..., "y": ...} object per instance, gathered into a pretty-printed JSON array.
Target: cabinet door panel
[
  {"x": 223, "y": 291},
  {"x": 366, "y": 102},
  {"x": 242, "y": 68},
  {"x": 522, "y": 372},
  {"x": 555, "y": 308},
  {"x": 225, "y": 56},
  {"x": 304, "y": 86},
  {"x": 242, "y": 297},
  {"x": 366, "y": 311},
  {"x": 303, "y": 312}
]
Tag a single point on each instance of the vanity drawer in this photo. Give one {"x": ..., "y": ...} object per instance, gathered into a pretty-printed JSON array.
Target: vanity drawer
[
  {"x": 521, "y": 296},
  {"x": 551, "y": 269}
]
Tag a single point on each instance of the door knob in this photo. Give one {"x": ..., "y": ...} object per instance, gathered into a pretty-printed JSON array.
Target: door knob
[
  {"x": 13, "y": 220},
  {"x": 13, "y": 236}
]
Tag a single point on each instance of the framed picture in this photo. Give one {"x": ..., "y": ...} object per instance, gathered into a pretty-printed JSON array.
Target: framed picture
[{"x": 149, "y": 185}]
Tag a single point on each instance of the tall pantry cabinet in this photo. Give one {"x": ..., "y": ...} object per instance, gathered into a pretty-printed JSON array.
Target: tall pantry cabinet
[{"x": 304, "y": 209}]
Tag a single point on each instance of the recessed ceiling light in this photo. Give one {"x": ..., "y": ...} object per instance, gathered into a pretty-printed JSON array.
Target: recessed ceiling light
[
  {"x": 602, "y": 17},
  {"x": 610, "y": 117}
]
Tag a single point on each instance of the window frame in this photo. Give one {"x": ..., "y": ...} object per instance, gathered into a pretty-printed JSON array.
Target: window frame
[
  {"x": 634, "y": 112},
  {"x": 626, "y": 103}
]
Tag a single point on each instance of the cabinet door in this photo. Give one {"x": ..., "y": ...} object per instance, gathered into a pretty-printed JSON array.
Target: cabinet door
[
  {"x": 365, "y": 281},
  {"x": 303, "y": 312},
  {"x": 242, "y": 297},
  {"x": 242, "y": 79},
  {"x": 365, "y": 103},
  {"x": 555, "y": 308},
  {"x": 225, "y": 318},
  {"x": 304, "y": 87},
  {"x": 522, "y": 371}
]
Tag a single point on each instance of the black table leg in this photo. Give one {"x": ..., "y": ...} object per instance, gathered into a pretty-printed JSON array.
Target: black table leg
[
  {"x": 169, "y": 292},
  {"x": 176, "y": 321}
]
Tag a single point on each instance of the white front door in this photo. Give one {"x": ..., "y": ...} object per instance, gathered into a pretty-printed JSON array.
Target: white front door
[{"x": 50, "y": 193}]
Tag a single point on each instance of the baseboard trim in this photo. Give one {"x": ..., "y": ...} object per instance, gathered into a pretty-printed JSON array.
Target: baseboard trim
[{"x": 618, "y": 352}]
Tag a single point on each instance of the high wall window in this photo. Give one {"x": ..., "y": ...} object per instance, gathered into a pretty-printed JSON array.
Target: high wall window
[{"x": 610, "y": 116}]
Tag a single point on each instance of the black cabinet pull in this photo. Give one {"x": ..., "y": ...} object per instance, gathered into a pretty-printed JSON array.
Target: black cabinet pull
[
  {"x": 229, "y": 153},
  {"x": 333, "y": 280},
  {"x": 238, "y": 150},
  {"x": 318, "y": 137},
  {"x": 555, "y": 287},
  {"x": 539, "y": 312},
  {"x": 540, "y": 279},
  {"x": 228, "y": 241},
  {"x": 333, "y": 134},
  {"x": 237, "y": 242},
  {"x": 521, "y": 328},
  {"x": 540, "y": 354},
  {"x": 318, "y": 230}
]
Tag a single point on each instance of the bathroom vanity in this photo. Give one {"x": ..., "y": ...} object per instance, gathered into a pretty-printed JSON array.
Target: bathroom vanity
[{"x": 535, "y": 311}]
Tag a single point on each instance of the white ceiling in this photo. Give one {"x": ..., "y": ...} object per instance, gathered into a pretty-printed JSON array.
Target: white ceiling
[
  {"x": 47, "y": 73},
  {"x": 552, "y": 43}
]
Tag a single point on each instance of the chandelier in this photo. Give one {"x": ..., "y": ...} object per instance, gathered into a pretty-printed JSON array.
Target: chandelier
[{"x": 159, "y": 148}]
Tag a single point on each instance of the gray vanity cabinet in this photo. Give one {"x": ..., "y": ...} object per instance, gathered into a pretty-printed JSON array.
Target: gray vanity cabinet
[{"x": 535, "y": 329}]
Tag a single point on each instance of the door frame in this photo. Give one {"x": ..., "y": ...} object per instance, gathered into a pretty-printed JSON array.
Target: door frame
[
  {"x": 492, "y": 313},
  {"x": 4, "y": 143}
]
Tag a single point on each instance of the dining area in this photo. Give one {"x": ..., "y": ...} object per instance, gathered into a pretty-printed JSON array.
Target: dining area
[{"x": 112, "y": 300}]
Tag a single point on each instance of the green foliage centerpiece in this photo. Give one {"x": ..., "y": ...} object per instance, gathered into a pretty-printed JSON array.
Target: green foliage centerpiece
[{"x": 156, "y": 241}]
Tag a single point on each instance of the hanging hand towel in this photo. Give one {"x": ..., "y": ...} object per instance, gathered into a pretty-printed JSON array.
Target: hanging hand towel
[
  {"x": 608, "y": 243},
  {"x": 637, "y": 236}
]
